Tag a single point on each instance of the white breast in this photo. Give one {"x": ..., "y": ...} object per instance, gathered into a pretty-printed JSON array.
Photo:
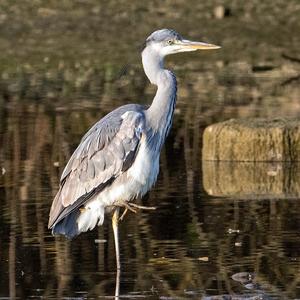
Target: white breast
[
  {"x": 145, "y": 168},
  {"x": 137, "y": 181}
]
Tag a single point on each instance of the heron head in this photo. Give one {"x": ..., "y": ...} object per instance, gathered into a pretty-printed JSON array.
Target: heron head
[{"x": 168, "y": 41}]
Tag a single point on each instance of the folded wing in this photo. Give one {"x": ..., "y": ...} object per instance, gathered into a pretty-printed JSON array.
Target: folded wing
[{"x": 106, "y": 151}]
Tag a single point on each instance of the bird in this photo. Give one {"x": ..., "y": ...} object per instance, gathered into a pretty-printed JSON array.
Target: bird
[{"x": 117, "y": 160}]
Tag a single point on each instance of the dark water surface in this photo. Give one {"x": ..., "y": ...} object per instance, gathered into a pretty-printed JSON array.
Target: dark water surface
[
  {"x": 220, "y": 231},
  {"x": 190, "y": 247}
]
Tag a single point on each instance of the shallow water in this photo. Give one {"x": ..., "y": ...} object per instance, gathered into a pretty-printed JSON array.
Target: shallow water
[
  {"x": 219, "y": 232},
  {"x": 190, "y": 247}
]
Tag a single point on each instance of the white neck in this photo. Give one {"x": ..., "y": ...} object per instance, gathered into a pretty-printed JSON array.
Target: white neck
[
  {"x": 153, "y": 64},
  {"x": 160, "y": 113}
]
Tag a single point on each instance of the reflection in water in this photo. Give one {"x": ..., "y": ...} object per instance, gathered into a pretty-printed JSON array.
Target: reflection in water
[{"x": 251, "y": 179}]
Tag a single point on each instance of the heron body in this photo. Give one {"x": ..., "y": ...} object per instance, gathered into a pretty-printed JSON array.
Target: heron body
[{"x": 118, "y": 158}]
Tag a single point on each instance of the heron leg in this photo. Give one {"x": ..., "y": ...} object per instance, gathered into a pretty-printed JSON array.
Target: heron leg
[
  {"x": 123, "y": 214},
  {"x": 115, "y": 221},
  {"x": 117, "y": 288},
  {"x": 141, "y": 206},
  {"x": 133, "y": 207},
  {"x": 128, "y": 207}
]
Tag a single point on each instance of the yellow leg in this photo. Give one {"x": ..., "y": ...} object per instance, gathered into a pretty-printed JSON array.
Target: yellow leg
[
  {"x": 117, "y": 288},
  {"x": 132, "y": 207},
  {"x": 123, "y": 214},
  {"x": 115, "y": 221}
]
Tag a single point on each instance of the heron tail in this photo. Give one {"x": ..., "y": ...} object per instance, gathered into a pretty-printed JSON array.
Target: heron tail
[{"x": 67, "y": 226}]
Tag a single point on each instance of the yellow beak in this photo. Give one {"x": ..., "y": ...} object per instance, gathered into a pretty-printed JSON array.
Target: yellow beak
[{"x": 187, "y": 45}]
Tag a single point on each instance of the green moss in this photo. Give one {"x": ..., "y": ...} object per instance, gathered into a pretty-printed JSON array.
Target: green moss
[{"x": 253, "y": 140}]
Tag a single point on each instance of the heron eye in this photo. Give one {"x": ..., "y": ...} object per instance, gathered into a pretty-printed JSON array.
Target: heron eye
[{"x": 170, "y": 42}]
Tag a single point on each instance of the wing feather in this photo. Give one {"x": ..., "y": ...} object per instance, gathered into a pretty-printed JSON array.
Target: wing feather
[{"x": 107, "y": 150}]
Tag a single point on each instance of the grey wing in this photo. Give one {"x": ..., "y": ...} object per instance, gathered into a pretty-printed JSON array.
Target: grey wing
[{"x": 105, "y": 152}]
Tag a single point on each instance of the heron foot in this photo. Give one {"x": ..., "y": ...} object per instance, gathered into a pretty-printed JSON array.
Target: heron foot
[
  {"x": 142, "y": 207},
  {"x": 123, "y": 214},
  {"x": 133, "y": 208}
]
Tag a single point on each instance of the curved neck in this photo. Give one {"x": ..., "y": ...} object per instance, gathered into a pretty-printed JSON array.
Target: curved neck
[
  {"x": 153, "y": 64},
  {"x": 160, "y": 113}
]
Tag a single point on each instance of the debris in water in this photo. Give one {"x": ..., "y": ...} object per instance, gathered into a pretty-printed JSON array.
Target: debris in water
[
  {"x": 203, "y": 258},
  {"x": 99, "y": 241},
  {"x": 243, "y": 277},
  {"x": 56, "y": 164}
]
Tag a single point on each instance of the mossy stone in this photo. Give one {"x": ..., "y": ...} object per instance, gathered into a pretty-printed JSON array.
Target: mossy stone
[{"x": 252, "y": 140}]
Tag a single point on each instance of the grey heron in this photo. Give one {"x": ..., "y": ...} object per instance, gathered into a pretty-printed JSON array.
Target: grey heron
[{"x": 117, "y": 160}]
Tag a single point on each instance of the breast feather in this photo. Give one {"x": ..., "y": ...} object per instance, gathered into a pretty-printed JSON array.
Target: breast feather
[{"x": 145, "y": 168}]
